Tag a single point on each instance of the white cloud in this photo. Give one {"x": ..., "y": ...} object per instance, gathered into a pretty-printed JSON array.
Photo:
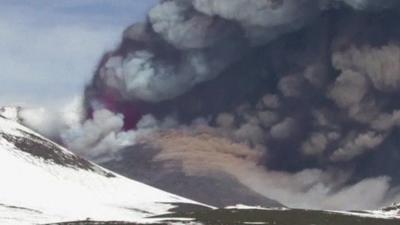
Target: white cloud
[{"x": 51, "y": 122}]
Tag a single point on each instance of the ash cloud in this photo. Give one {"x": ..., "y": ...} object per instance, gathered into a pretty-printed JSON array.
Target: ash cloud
[
  {"x": 262, "y": 21},
  {"x": 291, "y": 97},
  {"x": 203, "y": 154},
  {"x": 200, "y": 39},
  {"x": 370, "y": 4}
]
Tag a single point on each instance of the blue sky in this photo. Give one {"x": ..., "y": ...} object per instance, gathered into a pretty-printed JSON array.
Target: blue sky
[{"x": 49, "y": 48}]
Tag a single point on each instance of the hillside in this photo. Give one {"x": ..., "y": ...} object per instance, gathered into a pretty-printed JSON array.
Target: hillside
[{"x": 44, "y": 183}]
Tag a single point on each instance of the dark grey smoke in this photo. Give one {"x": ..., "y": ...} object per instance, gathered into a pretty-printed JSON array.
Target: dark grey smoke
[{"x": 305, "y": 90}]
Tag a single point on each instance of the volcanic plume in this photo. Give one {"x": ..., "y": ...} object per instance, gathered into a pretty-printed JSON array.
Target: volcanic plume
[{"x": 297, "y": 99}]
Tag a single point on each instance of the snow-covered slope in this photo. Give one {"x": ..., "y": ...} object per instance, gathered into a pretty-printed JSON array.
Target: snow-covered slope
[{"x": 41, "y": 182}]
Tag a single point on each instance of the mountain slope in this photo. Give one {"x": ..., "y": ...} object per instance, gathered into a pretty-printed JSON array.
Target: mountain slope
[
  {"x": 137, "y": 162},
  {"x": 41, "y": 182}
]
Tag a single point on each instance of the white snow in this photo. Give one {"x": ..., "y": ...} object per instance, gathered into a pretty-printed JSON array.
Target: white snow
[
  {"x": 382, "y": 214},
  {"x": 33, "y": 190},
  {"x": 369, "y": 214},
  {"x": 241, "y": 206}
]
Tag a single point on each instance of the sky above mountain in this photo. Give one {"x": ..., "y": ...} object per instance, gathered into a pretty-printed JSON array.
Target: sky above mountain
[{"x": 49, "y": 49}]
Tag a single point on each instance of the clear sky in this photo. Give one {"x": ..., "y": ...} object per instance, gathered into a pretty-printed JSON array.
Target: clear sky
[{"x": 49, "y": 48}]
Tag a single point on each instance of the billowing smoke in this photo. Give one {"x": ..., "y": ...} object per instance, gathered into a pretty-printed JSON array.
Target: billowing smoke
[
  {"x": 102, "y": 137},
  {"x": 371, "y": 4},
  {"x": 297, "y": 99},
  {"x": 204, "y": 154},
  {"x": 261, "y": 21}
]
